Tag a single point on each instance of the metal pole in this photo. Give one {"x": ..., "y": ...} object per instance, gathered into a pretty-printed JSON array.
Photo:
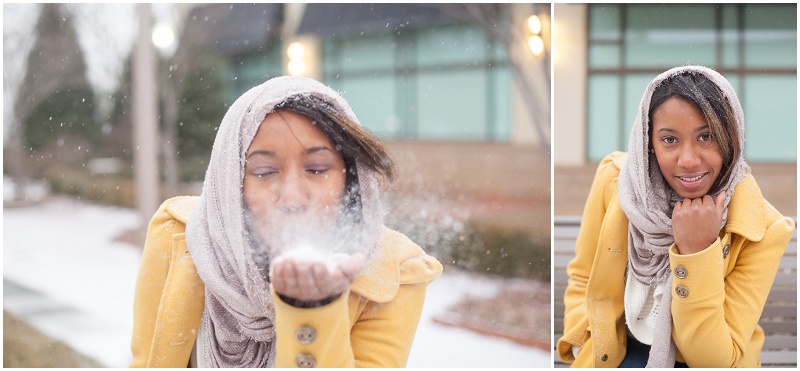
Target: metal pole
[{"x": 145, "y": 118}]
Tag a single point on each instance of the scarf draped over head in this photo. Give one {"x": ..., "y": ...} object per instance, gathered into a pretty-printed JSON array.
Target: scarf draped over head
[
  {"x": 237, "y": 327},
  {"x": 647, "y": 200}
]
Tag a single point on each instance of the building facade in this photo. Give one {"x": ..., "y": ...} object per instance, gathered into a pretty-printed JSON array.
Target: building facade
[
  {"x": 607, "y": 53},
  {"x": 410, "y": 71}
]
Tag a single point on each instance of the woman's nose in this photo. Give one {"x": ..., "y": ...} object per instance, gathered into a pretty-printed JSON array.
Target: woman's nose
[
  {"x": 293, "y": 195},
  {"x": 689, "y": 156}
]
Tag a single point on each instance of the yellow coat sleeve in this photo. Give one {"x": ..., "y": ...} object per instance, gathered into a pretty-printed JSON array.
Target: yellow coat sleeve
[
  {"x": 150, "y": 284},
  {"x": 576, "y": 321},
  {"x": 725, "y": 308},
  {"x": 169, "y": 296},
  {"x": 381, "y": 336}
]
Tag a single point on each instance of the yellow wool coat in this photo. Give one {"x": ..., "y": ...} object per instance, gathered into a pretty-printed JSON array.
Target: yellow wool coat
[
  {"x": 372, "y": 325},
  {"x": 716, "y": 324}
]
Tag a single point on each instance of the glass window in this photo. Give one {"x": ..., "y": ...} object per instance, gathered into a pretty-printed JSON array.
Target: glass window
[
  {"x": 451, "y": 45},
  {"x": 770, "y": 35},
  {"x": 605, "y": 22},
  {"x": 753, "y": 45},
  {"x": 604, "y": 56},
  {"x": 363, "y": 53},
  {"x": 604, "y": 117},
  {"x": 372, "y": 98},
  {"x": 770, "y": 117},
  {"x": 452, "y": 105},
  {"x": 447, "y": 82},
  {"x": 501, "y": 91},
  {"x": 674, "y": 35}
]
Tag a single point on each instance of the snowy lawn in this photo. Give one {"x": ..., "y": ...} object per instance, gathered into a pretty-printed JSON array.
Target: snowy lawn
[{"x": 65, "y": 250}]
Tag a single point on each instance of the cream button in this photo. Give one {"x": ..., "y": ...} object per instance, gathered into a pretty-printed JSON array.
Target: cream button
[
  {"x": 682, "y": 291},
  {"x": 305, "y": 361},
  {"x": 681, "y": 272},
  {"x": 725, "y": 251},
  {"x": 305, "y": 335}
]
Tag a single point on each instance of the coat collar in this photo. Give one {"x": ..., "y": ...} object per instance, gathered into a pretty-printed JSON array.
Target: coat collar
[
  {"x": 747, "y": 210},
  {"x": 397, "y": 260}
]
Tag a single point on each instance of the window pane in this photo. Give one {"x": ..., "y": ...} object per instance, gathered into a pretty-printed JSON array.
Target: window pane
[
  {"x": 604, "y": 22},
  {"x": 730, "y": 35},
  {"x": 453, "y": 45},
  {"x": 770, "y": 35},
  {"x": 770, "y": 111},
  {"x": 372, "y": 98},
  {"x": 502, "y": 104},
  {"x": 604, "y": 56},
  {"x": 670, "y": 35},
  {"x": 635, "y": 85},
  {"x": 451, "y": 105},
  {"x": 364, "y": 53},
  {"x": 604, "y": 118}
]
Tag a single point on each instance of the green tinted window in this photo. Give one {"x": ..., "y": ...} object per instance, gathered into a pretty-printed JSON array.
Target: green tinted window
[
  {"x": 674, "y": 35},
  {"x": 452, "y": 105},
  {"x": 604, "y": 116},
  {"x": 770, "y": 35},
  {"x": 770, "y": 118}
]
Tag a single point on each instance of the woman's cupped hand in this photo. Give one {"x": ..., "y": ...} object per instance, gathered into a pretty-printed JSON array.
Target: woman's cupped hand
[{"x": 315, "y": 281}]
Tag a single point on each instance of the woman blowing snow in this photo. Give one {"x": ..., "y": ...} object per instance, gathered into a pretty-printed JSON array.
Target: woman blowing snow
[{"x": 283, "y": 260}]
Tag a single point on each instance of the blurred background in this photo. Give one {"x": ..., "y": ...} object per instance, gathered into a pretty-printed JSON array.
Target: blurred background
[{"x": 110, "y": 109}]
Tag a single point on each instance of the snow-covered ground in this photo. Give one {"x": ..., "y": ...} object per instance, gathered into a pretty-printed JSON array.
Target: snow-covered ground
[{"x": 63, "y": 273}]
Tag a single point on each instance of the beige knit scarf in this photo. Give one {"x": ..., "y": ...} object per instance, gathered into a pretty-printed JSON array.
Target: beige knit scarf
[
  {"x": 237, "y": 326},
  {"x": 647, "y": 201}
]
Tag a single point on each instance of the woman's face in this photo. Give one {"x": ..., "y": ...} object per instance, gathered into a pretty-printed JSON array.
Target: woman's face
[
  {"x": 294, "y": 180},
  {"x": 688, "y": 157}
]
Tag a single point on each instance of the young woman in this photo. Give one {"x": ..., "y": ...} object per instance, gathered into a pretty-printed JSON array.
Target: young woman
[
  {"x": 678, "y": 249},
  {"x": 283, "y": 260}
]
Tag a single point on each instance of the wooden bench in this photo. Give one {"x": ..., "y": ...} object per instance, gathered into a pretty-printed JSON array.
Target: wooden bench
[{"x": 779, "y": 318}]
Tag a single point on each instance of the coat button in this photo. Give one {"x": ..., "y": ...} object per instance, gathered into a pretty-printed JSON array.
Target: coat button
[
  {"x": 726, "y": 250},
  {"x": 682, "y": 291},
  {"x": 305, "y": 361},
  {"x": 681, "y": 272},
  {"x": 305, "y": 335},
  {"x": 604, "y": 357}
]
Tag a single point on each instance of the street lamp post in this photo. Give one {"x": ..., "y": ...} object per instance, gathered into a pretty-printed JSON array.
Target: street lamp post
[{"x": 145, "y": 118}]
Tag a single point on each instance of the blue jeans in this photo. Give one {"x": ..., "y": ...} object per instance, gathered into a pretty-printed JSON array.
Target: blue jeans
[{"x": 637, "y": 355}]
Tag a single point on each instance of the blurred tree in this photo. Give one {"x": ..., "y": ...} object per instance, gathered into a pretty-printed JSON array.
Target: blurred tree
[
  {"x": 193, "y": 101},
  {"x": 202, "y": 106},
  {"x": 55, "y": 104}
]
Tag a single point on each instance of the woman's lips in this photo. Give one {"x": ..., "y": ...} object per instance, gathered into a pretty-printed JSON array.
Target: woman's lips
[{"x": 692, "y": 181}]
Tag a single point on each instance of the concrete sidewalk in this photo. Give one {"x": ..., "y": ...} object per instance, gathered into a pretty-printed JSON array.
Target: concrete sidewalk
[{"x": 62, "y": 322}]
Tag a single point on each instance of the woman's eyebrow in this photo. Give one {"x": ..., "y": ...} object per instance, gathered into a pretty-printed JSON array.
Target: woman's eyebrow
[
  {"x": 704, "y": 127},
  {"x": 261, "y": 153},
  {"x": 318, "y": 149}
]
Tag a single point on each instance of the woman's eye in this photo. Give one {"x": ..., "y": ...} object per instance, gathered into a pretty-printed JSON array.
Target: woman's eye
[
  {"x": 669, "y": 140},
  {"x": 262, "y": 173},
  {"x": 318, "y": 171},
  {"x": 704, "y": 137}
]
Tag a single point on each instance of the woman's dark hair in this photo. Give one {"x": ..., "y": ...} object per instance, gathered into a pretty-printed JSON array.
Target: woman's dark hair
[
  {"x": 353, "y": 141},
  {"x": 708, "y": 98}
]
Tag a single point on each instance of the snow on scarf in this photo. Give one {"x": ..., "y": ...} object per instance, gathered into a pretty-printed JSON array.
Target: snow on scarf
[
  {"x": 237, "y": 327},
  {"x": 648, "y": 201}
]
